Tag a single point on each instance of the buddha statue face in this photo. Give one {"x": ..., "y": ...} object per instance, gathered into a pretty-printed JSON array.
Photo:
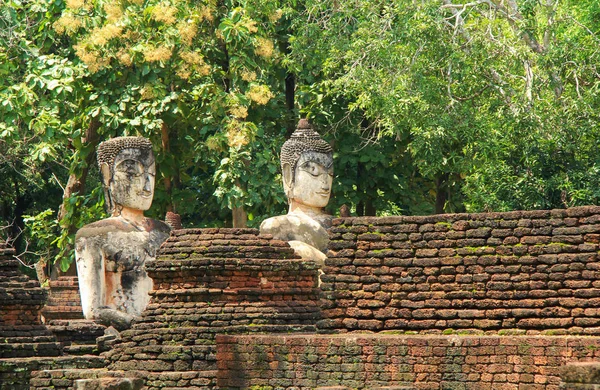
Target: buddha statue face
[
  {"x": 307, "y": 169},
  {"x": 310, "y": 183},
  {"x": 128, "y": 171},
  {"x": 132, "y": 184}
]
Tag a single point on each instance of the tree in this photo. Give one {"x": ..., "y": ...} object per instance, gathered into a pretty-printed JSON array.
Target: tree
[{"x": 482, "y": 93}]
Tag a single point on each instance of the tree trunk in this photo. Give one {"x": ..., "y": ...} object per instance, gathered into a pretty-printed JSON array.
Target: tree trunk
[
  {"x": 76, "y": 185},
  {"x": 240, "y": 217},
  {"x": 290, "y": 87},
  {"x": 164, "y": 136},
  {"x": 370, "y": 209},
  {"x": 18, "y": 224},
  {"x": 441, "y": 194},
  {"x": 238, "y": 214}
]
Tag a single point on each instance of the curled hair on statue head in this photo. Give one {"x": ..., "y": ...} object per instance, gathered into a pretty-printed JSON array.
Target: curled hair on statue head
[
  {"x": 107, "y": 153},
  {"x": 304, "y": 140}
]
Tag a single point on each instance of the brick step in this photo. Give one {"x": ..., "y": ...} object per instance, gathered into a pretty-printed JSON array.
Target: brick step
[
  {"x": 52, "y": 312},
  {"x": 187, "y": 388},
  {"x": 23, "y": 350},
  {"x": 19, "y": 283},
  {"x": 80, "y": 349},
  {"x": 13, "y": 277},
  {"x": 300, "y": 295},
  {"x": 229, "y": 310},
  {"x": 174, "y": 380},
  {"x": 159, "y": 331},
  {"x": 78, "y": 331},
  {"x": 162, "y": 328},
  {"x": 60, "y": 299},
  {"x": 70, "y": 283},
  {"x": 15, "y": 373},
  {"x": 24, "y": 331},
  {"x": 63, "y": 379},
  {"x": 179, "y": 380},
  {"x": 164, "y": 358},
  {"x": 49, "y": 338},
  {"x": 216, "y": 321}
]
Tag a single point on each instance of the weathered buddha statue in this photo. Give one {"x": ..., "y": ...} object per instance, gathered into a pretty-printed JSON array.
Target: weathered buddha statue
[
  {"x": 111, "y": 253},
  {"x": 307, "y": 171}
]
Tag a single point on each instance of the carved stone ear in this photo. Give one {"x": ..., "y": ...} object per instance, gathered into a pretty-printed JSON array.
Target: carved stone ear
[
  {"x": 105, "y": 172},
  {"x": 288, "y": 178}
]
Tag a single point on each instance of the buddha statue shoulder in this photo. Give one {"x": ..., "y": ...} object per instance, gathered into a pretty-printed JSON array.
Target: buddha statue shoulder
[
  {"x": 307, "y": 172},
  {"x": 111, "y": 253}
]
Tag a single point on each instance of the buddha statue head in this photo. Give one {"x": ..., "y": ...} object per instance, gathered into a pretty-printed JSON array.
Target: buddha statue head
[
  {"x": 307, "y": 169},
  {"x": 128, "y": 172}
]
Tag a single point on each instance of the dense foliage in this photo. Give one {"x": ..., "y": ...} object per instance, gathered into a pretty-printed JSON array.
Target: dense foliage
[{"x": 433, "y": 106}]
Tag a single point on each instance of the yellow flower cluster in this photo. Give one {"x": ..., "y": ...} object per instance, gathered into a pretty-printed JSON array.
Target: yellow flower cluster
[
  {"x": 183, "y": 72},
  {"x": 100, "y": 36},
  {"x": 263, "y": 47},
  {"x": 206, "y": 14},
  {"x": 192, "y": 57},
  {"x": 248, "y": 75},
  {"x": 164, "y": 13},
  {"x": 193, "y": 61},
  {"x": 251, "y": 26},
  {"x": 124, "y": 57},
  {"x": 75, "y": 4},
  {"x": 92, "y": 58},
  {"x": 154, "y": 54},
  {"x": 67, "y": 24},
  {"x": 239, "y": 112},
  {"x": 275, "y": 16},
  {"x": 187, "y": 31},
  {"x": 147, "y": 92},
  {"x": 213, "y": 143},
  {"x": 236, "y": 136},
  {"x": 113, "y": 11},
  {"x": 259, "y": 94}
]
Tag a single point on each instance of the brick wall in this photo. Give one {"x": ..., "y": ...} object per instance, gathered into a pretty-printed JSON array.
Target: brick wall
[
  {"x": 524, "y": 271},
  {"x": 25, "y": 343},
  {"x": 21, "y": 298},
  {"x": 64, "y": 301},
  {"x": 209, "y": 282},
  {"x": 362, "y": 361}
]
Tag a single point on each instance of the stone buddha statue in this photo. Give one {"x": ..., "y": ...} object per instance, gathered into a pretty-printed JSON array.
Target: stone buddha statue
[
  {"x": 307, "y": 171},
  {"x": 111, "y": 253}
]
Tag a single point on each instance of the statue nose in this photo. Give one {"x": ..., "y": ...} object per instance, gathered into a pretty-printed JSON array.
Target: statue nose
[{"x": 147, "y": 184}]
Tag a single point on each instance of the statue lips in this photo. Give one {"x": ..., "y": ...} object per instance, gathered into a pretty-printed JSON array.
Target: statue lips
[{"x": 145, "y": 194}]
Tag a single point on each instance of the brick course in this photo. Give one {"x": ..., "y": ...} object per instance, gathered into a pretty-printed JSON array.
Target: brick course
[
  {"x": 535, "y": 272},
  {"x": 363, "y": 361}
]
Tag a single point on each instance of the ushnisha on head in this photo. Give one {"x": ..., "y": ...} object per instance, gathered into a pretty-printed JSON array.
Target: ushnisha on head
[
  {"x": 128, "y": 172},
  {"x": 307, "y": 168}
]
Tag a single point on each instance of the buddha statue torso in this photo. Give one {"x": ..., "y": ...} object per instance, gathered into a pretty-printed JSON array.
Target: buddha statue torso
[
  {"x": 111, "y": 253},
  {"x": 307, "y": 171}
]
